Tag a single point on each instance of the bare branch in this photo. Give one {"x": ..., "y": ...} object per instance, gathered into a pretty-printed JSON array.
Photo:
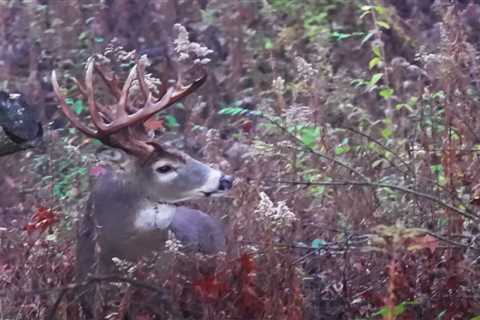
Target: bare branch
[{"x": 383, "y": 185}]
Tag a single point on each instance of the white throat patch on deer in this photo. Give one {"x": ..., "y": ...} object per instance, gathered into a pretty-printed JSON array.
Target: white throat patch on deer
[{"x": 152, "y": 216}]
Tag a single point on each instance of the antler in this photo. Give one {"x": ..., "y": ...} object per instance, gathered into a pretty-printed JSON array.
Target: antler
[{"x": 117, "y": 125}]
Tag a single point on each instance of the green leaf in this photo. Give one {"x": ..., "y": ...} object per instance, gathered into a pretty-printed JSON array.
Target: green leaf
[
  {"x": 401, "y": 106},
  {"x": 342, "y": 148},
  {"x": 383, "y": 24},
  {"x": 309, "y": 135},
  {"x": 376, "y": 51},
  {"x": 339, "y": 150},
  {"x": 374, "y": 62},
  {"x": 83, "y": 36},
  {"x": 78, "y": 106},
  {"x": 437, "y": 169},
  {"x": 386, "y": 93},
  {"x": 171, "y": 121},
  {"x": 57, "y": 190},
  {"x": 356, "y": 83},
  {"x": 373, "y": 147},
  {"x": 398, "y": 310},
  {"x": 387, "y": 133},
  {"x": 268, "y": 44},
  {"x": 233, "y": 111},
  {"x": 368, "y": 37},
  {"x": 364, "y": 14},
  {"x": 375, "y": 78},
  {"x": 380, "y": 10},
  {"x": 317, "y": 190},
  {"x": 127, "y": 65},
  {"x": 96, "y": 142},
  {"x": 475, "y": 318},
  {"x": 339, "y": 36},
  {"x": 318, "y": 243}
]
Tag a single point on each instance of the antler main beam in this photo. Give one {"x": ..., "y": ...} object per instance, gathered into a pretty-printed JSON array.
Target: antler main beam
[
  {"x": 123, "y": 119},
  {"x": 110, "y": 120}
]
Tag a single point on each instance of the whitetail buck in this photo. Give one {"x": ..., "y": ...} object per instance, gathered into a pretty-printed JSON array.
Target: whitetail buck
[{"x": 132, "y": 206}]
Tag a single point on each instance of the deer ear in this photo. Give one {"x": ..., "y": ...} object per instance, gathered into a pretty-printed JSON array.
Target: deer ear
[{"x": 116, "y": 156}]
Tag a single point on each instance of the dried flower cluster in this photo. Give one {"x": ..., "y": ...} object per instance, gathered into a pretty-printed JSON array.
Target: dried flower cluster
[
  {"x": 152, "y": 82},
  {"x": 114, "y": 52},
  {"x": 173, "y": 245},
  {"x": 299, "y": 114},
  {"x": 278, "y": 85},
  {"x": 187, "y": 50},
  {"x": 277, "y": 215},
  {"x": 124, "y": 265},
  {"x": 305, "y": 70}
]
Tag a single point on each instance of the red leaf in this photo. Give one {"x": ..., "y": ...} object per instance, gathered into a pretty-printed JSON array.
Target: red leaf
[
  {"x": 246, "y": 263},
  {"x": 249, "y": 299},
  {"x": 154, "y": 124},
  {"x": 209, "y": 288},
  {"x": 97, "y": 171},
  {"x": 41, "y": 220},
  {"x": 247, "y": 126}
]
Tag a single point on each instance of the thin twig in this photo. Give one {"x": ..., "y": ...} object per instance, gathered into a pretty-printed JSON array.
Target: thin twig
[
  {"x": 90, "y": 280},
  {"x": 453, "y": 243},
  {"x": 53, "y": 309},
  {"x": 382, "y": 185},
  {"x": 396, "y": 155},
  {"x": 311, "y": 150}
]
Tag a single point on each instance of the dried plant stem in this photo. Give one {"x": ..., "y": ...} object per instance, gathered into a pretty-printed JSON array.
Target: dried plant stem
[
  {"x": 78, "y": 285},
  {"x": 383, "y": 185},
  {"x": 309, "y": 149}
]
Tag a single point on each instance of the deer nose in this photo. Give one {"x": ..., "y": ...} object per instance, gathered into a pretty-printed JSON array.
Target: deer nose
[{"x": 226, "y": 183}]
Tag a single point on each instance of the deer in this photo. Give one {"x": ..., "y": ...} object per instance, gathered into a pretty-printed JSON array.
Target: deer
[{"x": 134, "y": 203}]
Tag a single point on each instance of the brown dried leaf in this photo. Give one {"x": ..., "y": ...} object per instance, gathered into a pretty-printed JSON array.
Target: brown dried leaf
[{"x": 425, "y": 242}]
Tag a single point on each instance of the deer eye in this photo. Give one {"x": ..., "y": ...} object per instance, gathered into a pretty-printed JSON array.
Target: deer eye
[{"x": 164, "y": 169}]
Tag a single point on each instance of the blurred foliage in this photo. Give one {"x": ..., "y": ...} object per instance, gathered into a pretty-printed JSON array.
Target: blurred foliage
[{"x": 351, "y": 128}]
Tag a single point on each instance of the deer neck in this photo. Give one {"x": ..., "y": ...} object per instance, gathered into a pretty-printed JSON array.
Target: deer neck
[
  {"x": 128, "y": 196},
  {"x": 152, "y": 215}
]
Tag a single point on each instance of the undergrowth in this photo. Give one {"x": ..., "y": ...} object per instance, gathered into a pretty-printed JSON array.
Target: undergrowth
[{"x": 351, "y": 128}]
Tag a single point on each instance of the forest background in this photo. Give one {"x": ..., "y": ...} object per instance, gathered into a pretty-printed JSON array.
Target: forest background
[{"x": 351, "y": 128}]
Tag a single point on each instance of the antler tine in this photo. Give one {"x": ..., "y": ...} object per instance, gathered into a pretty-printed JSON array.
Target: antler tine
[
  {"x": 184, "y": 91},
  {"x": 111, "y": 83},
  {"x": 68, "y": 113},
  {"x": 169, "y": 98},
  {"x": 141, "y": 78},
  {"x": 122, "y": 102},
  {"x": 92, "y": 104},
  {"x": 104, "y": 109},
  {"x": 114, "y": 125}
]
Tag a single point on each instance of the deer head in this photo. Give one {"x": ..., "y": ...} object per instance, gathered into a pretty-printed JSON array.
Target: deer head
[{"x": 162, "y": 174}]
